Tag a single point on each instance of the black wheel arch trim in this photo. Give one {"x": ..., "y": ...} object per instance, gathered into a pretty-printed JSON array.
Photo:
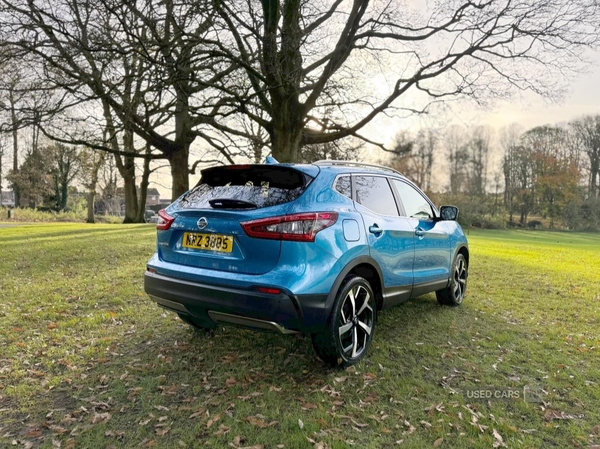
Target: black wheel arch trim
[
  {"x": 344, "y": 273},
  {"x": 467, "y": 259},
  {"x": 458, "y": 250}
]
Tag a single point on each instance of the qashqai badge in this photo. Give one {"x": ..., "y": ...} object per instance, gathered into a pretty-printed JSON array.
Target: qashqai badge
[{"x": 202, "y": 223}]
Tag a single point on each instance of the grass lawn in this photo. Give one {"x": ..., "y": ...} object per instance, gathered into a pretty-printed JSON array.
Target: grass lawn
[{"x": 86, "y": 360}]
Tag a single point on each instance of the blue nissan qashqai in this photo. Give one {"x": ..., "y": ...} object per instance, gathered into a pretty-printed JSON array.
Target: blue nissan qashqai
[{"x": 318, "y": 248}]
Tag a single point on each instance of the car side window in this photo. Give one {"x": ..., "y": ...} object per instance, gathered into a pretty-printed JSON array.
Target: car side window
[
  {"x": 374, "y": 192},
  {"x": 415, "y": 205},
  {"x": 343, "y": 186}
]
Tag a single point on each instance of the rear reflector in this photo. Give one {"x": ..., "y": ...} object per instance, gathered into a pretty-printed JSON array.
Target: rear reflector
[
  {"x": 297, "y": 227},
  {"x": 269, "y": 290},
  {"x": 164, "y": 220}
]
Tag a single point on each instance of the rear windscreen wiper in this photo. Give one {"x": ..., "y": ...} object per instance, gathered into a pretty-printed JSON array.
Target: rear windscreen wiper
[{"x": 226, "y": 203}]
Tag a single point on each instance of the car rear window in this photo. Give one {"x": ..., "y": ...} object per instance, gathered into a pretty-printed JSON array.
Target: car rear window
[{"x": 245, "y": 187}]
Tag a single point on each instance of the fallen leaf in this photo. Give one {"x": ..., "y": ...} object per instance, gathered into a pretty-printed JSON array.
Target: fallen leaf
[
  {"x": 499, "y": 441},
  {"x": 34, "y": 433},
  {"x": 256, "y": 422},
  {"x": 550, "y": 414},
  {"x": 231, "y": 381},
  {"x": 98, "y": 418},
  {"x": 309, "y": 406},
  {"x": 213, "y": 420},
  {"x": 300, "y": 424},
  {"x": 410, "y": 429},
  {"x": 438, "y": 442},
  {"x": 222, "y": 430},
  {"x": 196, "y": 414},
  {"x": 162, "y": 431}
]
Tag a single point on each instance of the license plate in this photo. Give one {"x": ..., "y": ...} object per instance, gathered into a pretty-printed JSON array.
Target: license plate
[{"x": 209, "y": 242}]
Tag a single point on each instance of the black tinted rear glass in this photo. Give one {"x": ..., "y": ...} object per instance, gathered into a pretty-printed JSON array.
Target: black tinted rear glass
[{"x": 243, "y": 187}]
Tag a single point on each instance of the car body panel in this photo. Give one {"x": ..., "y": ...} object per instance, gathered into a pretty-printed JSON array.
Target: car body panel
[
  {"x": 306, "y": 274},
  {"x": 394, "y": 248}
]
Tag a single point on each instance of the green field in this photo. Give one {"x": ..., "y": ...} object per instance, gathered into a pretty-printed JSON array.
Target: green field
[{"x": 86, "y": 360}]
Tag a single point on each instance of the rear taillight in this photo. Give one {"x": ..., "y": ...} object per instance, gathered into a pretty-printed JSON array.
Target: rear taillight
[
  {"x": 164, "y": 220},
  {"x": 296, "y": 227}
]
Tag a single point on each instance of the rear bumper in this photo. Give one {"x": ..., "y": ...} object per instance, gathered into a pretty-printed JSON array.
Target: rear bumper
[{"x": 213, "y": 304}]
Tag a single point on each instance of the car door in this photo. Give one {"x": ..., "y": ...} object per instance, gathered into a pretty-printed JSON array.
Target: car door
[
  {"x": 432, "y": 260},
  {"x": 391, "y": 237}
]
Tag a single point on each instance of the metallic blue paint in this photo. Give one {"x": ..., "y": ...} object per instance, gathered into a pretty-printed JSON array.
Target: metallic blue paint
[{"x": 405, "y": 254}]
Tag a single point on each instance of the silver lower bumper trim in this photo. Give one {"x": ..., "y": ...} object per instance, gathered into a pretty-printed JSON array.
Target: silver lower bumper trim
[
  {"x": 171, "y": 305},
  {"x": 227, "y": 318}
]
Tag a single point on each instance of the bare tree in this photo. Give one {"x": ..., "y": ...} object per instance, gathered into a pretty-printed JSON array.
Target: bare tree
[
  {"x": 144, "y": 62},
  {"x": 587, "y": 133},
  {"x": 509, "y": 140},
  {"x": 456, "y": 148},
  {"x": 478, "y": 159},
  {"x": 414, "y": 155},
  {"x": 91, "y": 163},
  {"x": 2, "y": 149},
  {"x": 300, "y": 58},
  {"x": 63, "y": 165}
]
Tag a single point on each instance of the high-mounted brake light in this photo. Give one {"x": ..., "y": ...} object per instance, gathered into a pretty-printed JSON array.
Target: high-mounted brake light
[
  {"x": 164, "y": 220},
  {"x": 297, "y": 227}
]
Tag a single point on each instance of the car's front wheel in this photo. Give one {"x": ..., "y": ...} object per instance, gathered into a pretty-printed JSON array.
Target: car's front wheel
[
  {"x": 454, "y": 294},
  {"x": 349, "y": 330}
]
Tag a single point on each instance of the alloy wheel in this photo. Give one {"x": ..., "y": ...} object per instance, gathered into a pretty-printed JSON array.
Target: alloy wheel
[
  {"x": 355, "y": 323},
  {"x": 460, "y": 280}
]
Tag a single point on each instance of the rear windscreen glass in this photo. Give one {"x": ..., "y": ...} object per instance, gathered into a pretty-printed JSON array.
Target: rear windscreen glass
[{"x": 245, "y": 187}]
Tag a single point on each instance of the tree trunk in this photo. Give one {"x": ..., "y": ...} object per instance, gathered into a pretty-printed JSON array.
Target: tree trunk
[
  {"x": 286, "y": 140},
  {"x": 93, "y": 185},
  {"x": 90, "y": 205},
  {"x": 179, "y": 172},
  {"x": 141, "y": 216},
  {"x": 15, "y": 136},
  {"x": 126, "y": 167},
  {"x": 64, "y": 194}
]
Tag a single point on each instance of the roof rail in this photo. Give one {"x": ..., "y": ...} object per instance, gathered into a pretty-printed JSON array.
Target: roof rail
[{"x": 356, "y": 164}]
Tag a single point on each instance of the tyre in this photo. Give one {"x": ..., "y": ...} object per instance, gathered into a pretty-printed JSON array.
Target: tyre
[
  {"x": 454, "y": 294},
  {"x": 349, "y": 332},
  {"x": 190, "y": 320}
]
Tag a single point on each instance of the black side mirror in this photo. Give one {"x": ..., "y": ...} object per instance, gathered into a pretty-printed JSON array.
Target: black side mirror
[{"x": 448, "y": 212}]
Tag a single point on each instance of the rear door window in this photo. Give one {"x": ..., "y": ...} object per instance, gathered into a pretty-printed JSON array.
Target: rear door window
[
  {"x": 245, "y": 187},
  {"x": 374, "y": 192}
]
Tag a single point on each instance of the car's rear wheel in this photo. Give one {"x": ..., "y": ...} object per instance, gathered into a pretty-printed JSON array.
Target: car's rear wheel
[
  {"x": 454, "y": 294},
  {"x": 192, "y": 322},
  {"x": 349, "y": 331}
]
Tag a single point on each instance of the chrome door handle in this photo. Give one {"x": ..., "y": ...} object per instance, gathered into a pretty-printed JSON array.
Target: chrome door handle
[
  {"x": 420, "y": 232},
  {"x": 374, "y": 229}
]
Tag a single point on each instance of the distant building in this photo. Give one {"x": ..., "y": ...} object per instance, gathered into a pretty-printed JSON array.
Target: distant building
[
  {"x": 8, "y": 198},
  {"x": 152, "y": 197}
]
